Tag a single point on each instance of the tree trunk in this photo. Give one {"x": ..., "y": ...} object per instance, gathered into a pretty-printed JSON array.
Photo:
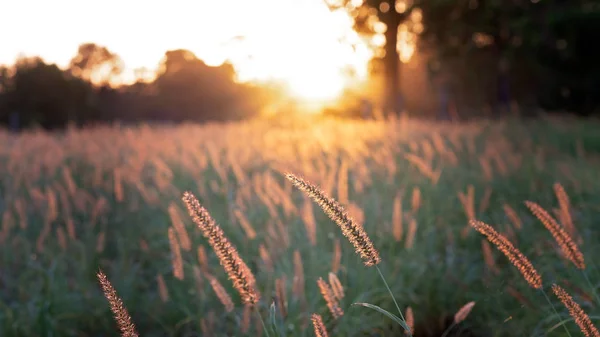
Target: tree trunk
[
  {"x": 392, "y": 64},
  {"x": 504, "y": 91}
]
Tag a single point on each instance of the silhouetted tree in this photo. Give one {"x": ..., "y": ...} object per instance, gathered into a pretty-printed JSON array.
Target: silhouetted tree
[
  {"x": 495, "y": 39},
  {"x": 95, "y": 63},
  {"x": 189, "y": 89},
  {"x": 42, "y": 94},
  {"x": 393, "y": 14},
  {"x": 515, "y": 48},
  {"x": 4, "y": 82},
  {"x": 568, "y": 56}
]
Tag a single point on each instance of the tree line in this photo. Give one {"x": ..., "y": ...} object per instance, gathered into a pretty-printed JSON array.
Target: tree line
[{"x": 35, "y": 93}]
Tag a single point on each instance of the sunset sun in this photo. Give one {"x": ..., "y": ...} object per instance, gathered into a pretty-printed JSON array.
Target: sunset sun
[
  {"x": 312, "y": 52},
  {"x": 314, "y": 61}
]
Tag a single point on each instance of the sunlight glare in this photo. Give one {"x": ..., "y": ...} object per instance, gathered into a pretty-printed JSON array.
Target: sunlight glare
[
  {"x": 311, "y": 57},
  {"x": 312, "y": 51}
]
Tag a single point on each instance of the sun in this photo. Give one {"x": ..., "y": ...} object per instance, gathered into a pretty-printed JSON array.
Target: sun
[
  {"x": 316, "y": 89},
  {"x": 315, "y": 59}
]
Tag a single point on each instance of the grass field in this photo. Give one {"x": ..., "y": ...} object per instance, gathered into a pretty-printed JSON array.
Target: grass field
[{"x": 79, "y": 201}]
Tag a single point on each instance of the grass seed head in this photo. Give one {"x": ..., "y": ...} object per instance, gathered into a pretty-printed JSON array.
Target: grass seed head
[
  {"x": 564, "y": 240},
  {"x": 222, "y": 294},
  {"x": 330, "y": 299},
  {"x": 116, "y": 306},
  {"x": 463, "y": 312},
  {"x": 410, "y": 321},
  {"x": 317, "y": 321},
  {"x": 513, "y": 254},
  {"x": 351, "y": 229},
  {"x": 581, "y": 318},
  {"x": 238, "y": 272}
]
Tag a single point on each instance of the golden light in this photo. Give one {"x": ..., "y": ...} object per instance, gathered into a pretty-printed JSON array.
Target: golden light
[
  {"x": 300, "y": 43},
  {"x": 406, "y": 43},
  {"x": 384, "y": 7},
  {"x": 416, "y": 15},
  {"x": 400, "y": 6},
  {"x": 378, "y": 40},
  {"x": 379, "y": 27},
  {"x": 312, "y": 52},
  {"x": 418, "y": 28}
]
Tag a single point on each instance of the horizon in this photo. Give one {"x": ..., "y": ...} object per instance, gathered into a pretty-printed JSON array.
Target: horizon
[{"x": 292, "y": 53}]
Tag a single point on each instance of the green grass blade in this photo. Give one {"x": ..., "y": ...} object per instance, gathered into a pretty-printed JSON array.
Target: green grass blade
[
  {"x": 385, "y": 312},
  {"x": 564, "y": 321}
]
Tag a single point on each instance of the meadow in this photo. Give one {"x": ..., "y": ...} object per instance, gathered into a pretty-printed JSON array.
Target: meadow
[{"x": 110, "y": 199}]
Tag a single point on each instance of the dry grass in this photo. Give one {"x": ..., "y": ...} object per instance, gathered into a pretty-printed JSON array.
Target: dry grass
[{"x": 109, "y": 198}]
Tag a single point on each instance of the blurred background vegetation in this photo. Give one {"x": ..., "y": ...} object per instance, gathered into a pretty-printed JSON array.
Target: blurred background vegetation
[{"x": 470, "y": 57}]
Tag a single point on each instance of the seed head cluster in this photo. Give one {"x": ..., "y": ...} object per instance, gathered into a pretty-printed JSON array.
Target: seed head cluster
[
  {"x": 350, "y": 228},
  {"x": 330, "y": 299},
  {"x": 581, "y": 318},
  {"x": 513, "y": 254},
  {"x": 116, "y": 306},
  {"x": 317, "y": 321},
  {"x": 238, "y": 272},
  {"x": 336, "y": 286},
  {"x": 463, "y": 312},
  {"x": 410, "y": 321},
  {"x": 564, "y": 240},
  {"x": 222, "y": 294}
]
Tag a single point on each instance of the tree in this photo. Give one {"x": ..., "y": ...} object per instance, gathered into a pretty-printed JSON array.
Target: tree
[
  {"x": 3, "y": 78},
  {"x": 393, "y": 14},
  {"x": 42, "y": 94},
  {"x": 190, "y": 89},
  {"x": 569, "y": 59},
  {"x": 514, "y": 47},
  {"x": 488, "y": 36},
  {"x": 4, "y": 83},
  {"x": 96, "y": 64}
]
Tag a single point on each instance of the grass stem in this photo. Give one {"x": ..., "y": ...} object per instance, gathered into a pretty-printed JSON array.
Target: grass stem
[
  {"x": 262, "y": 321},
  {"x": 594, "y": 291},
  {"x": 393, "y": 297},
  {"x": 449, "y": 328},
  {"x": 555, "y": 312}
]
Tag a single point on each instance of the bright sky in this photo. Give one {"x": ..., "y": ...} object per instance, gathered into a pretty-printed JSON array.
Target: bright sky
[{"x": 297, "y": 41}]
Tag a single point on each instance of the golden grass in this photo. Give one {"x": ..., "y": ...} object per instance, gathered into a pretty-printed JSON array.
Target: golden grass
[
  {"x": 320, "y": 330},
  {"x": 237, "y": 270},
  {"x": 122, "y": 317},
  {"x": 352, "y": 230},
  {"x": 581, "y": 318},
  {"x": 514, "y": 255},
  {"x": 330, "y": 299},
  {"x": 568, "y": 247},
  {"x": 463, "y": 312},
  {"x": 131, "y": 170}
]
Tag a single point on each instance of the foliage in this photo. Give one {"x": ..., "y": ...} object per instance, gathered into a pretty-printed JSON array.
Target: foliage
[
  {"x": 96, "y": 61},
  {"x": 536, "y": 52},
  {"x": 37, "y": 93}
]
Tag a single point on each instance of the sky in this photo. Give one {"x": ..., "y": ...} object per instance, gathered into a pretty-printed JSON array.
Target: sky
[{"x": 297, "y": 41}]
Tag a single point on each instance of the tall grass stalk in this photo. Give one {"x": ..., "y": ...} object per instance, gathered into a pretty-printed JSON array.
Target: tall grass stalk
[
  {"x": 554, "y": 309},
  {"x": 391, "y": 294},
  {"x": 262, "y": 321},
  {"x": 592, "y": 287}
]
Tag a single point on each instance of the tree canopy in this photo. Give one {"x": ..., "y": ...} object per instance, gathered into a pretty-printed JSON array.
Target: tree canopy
[
  {"x": 499, "y": 50},
  {"x": 33, "y": 92}
]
